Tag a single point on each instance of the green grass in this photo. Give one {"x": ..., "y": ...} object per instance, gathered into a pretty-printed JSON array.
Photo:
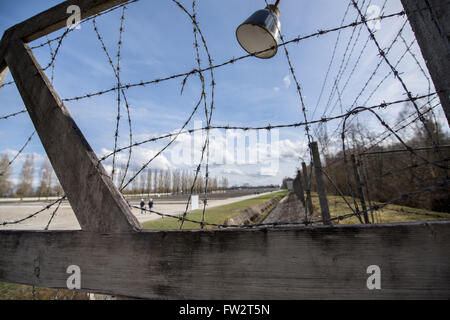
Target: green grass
[
  {"x": 214, "y": 215},
  {"x": 11, "y": 291},
  {"x": 389, "y": 214}
]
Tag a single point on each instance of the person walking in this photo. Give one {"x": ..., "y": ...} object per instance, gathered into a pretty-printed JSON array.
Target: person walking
[
  {"x": 142, "y": 206},
  {"x": 150, "y": 204}
]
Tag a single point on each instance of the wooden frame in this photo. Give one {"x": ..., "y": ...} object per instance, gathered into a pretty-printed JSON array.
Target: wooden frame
[{"x": 117, "y": 257}]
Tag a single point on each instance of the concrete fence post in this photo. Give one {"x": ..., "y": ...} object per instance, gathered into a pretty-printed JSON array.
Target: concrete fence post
[
  {"x": 359, "y": 188},
  {"x": 307, "y": 183},
  {"x": 321, "y": 190},
  {"x": 298, "y": 187}
]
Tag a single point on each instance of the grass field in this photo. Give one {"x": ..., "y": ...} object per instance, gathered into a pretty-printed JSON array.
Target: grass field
[
  {"x": 389, "y": 214},
  {"x": 213, "y": 215},
  {"x": 10, "y": 291}
]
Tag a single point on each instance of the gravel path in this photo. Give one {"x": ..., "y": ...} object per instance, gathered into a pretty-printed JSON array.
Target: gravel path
[{"x": 289, "y": 209}]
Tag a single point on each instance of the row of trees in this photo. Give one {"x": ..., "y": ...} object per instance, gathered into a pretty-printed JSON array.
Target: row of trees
[
  {"x": 383, "y": 186},
  {"x": 48, "y": 183},
  {"x": 148, "y": 181},
  {"x": 171, "y": 181}
]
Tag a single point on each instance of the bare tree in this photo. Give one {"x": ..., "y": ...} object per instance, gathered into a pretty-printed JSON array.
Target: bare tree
[
  {"x": 56, "y": 186},
  {"x": 155, "y": 181},
  {"x": 142, "y": 182},
  {"x": 134, "y": 183},
  {"x": 5, "y": 173},
  {"x": 25, "y": 188},
  {"x": 149, "y": 181},
  {"x": 45, "y": 185}
]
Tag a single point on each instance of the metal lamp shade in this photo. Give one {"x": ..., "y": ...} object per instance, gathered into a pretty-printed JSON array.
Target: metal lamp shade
[{"x": 261, "y": 31}]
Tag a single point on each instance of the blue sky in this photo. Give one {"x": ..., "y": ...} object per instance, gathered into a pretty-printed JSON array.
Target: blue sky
[{"x": 158, "y": 42}]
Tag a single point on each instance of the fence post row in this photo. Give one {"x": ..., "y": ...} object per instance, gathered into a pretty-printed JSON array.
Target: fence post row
[
  {"x": 325, "y": 211},
  {"x": 359, "y": 188},
  {"x": 363, "y": 171},
  {"x": 306, "y": 179},
  {"x": 298, "y": 187}
]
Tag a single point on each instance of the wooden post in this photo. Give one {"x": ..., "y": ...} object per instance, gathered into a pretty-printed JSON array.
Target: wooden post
[
  {"x": 359, "y": 188},
  {"x": 298, "y": 187},
  {"x": 321, "y": 262},
  {"x": 306, "y": 180},
  {"x": 432, "y": 30},
  {"x": 110, "y": 250},
  {"x": 3, "y": 74},
  {"x": 366, "y": 186},
  {"x": 320, "y": 183},
  {"x": 95, "y": 200}
]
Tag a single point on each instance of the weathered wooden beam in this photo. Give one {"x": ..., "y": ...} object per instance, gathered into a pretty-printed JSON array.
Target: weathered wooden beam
[
  {"x": 3, "y": 49},
  {"x": 328, "y": 262},
  {"x": 3, "y": 74},
  {"x": 97, "y": 203},
  {"x": 56, "y": 17},
  {"x": 432, "y": 30}
]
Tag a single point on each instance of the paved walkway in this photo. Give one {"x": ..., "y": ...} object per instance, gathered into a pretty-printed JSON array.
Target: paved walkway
[{"x": 65, "y": 218}]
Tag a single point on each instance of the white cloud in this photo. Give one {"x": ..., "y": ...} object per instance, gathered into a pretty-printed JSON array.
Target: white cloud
[{"x": 287, "y": 81}]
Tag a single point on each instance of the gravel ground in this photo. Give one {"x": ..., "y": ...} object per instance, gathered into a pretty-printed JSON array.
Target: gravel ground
[{"x": 289, "y": 209}]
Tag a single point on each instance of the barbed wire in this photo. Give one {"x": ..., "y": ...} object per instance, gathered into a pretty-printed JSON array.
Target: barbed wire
[
  {"x": 374, "y": 72},
  {"x": 342, "y": 217},
  {"x": 397, "y": 76},
  {"x": 400, "y": 140},
  {"x": 341, "y": 70},
  {"x": 58, "y": 38},
  {"x": 116, "y": 70},
  {"x": 401, "y": 170},
  {"x": 356, "y": 63},
  {"x": 233, "y": 60},
  {"x": 331, "y": 61},
  {"x": 54, "y": 212},
  {"x": 200, "y": 70},
  {"x": 13, "y": 114},
  {"x": 29, "y": 216},
  {"x": 268, "y": 126},
  {"x": 18, "y": 153},
  {"x": 8, "y": 83}
]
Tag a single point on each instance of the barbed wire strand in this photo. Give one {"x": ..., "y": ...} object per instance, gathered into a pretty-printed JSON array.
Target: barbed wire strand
[{"x": 18, "y": 153}]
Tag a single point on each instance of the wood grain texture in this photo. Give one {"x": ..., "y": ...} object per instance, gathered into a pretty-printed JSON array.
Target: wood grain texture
[
  {"x": 56, "y": 17},
  {"x": 327, "y": 262},
  {"x": 95, "y": 200},
  {"x": 3, "y": 74},
  {"x": 432, "y": 30}
]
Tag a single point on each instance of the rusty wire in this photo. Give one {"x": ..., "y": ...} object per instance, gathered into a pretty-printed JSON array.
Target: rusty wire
[{"x": 200, "y": 70}]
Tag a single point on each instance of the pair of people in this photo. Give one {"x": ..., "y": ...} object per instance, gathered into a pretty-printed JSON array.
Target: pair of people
[{"x": 142, "y": 204}]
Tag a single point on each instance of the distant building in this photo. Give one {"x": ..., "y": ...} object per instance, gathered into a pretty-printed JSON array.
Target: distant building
[{"x": 290, "y": 184}]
